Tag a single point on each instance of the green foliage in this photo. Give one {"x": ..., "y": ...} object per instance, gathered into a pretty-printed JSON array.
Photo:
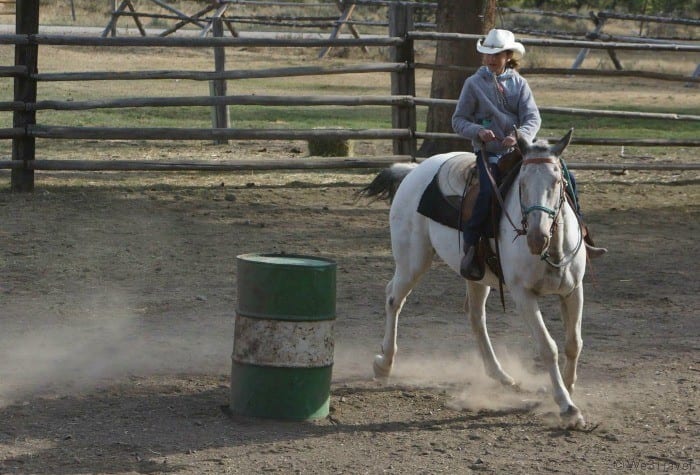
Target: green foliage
[
  {"x": 680, "y": 8},
  {"x": 243, "y": 117}
]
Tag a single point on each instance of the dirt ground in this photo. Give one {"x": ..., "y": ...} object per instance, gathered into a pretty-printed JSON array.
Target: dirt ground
[{"x": 117, "y": 299}]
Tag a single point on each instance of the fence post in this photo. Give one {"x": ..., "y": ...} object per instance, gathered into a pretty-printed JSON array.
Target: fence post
[
  {"x": 695, "y": 75},
  {"x": 403, "y": 82},
  {"x": 111, "y": 28},
  {"x": 220, "y": 116},
  {"x": 599, "y": 23},
  {"x": 24, "y": 148}
]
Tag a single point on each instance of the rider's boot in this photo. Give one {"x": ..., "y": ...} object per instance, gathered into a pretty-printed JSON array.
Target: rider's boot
[{"x": 469, "y": 268}]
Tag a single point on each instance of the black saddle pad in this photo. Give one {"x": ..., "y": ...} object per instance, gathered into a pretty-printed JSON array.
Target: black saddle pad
[{"x": 435, "y": 206}]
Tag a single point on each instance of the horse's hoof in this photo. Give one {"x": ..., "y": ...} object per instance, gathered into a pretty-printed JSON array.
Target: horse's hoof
[
  {"x": 572, "y": 418},
  {"x": 504, "y": 379},
  {"x": 515, "y": 387},
  {"x": 381, "y": 370}
]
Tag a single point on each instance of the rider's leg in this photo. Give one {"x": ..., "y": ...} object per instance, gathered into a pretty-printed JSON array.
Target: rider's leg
[
  {"x": 474, "y": 227},
  {"x": 574, "y": 192}
]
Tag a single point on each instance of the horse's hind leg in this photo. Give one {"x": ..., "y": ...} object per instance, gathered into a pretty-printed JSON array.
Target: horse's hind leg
[
  {"x": 412, "y": 257},
  {"x": 571, "y": 310},
  {"x": 476, "y": 306}
]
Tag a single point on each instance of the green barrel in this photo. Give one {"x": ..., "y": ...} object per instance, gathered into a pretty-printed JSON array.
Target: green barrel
[{"x": 283, "y": 339}]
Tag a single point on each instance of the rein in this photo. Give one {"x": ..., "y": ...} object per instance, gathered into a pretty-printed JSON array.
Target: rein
[
  {"x": 522, "y": 230},
  {"x": 565, "y": 261},
  {"x": 499, "y": 198}
]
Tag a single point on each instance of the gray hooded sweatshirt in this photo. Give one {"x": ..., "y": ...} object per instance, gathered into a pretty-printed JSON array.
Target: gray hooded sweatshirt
[{"x": 484, "y": 105}]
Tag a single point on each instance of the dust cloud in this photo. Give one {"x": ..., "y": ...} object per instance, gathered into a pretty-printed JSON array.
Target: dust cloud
[
  {"x": 107, "y": 338},
  {"x": 100, "y": 341},
  {"x": 461, "y": 375}
]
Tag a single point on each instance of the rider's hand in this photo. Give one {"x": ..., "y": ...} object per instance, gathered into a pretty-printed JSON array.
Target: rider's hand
[
  {"x": 486, "y": 135},
  {"x": 509, "y": 141}
]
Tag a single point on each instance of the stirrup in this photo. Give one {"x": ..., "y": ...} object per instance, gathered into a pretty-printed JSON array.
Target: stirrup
[
  {"x": 591, "y": 249},
  {"x": 594, "y": 252}
]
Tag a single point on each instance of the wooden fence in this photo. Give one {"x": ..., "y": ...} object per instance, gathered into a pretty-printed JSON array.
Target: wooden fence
[
  {"x": 402, "y": 101},
  {"x": 334, "y": 16}
]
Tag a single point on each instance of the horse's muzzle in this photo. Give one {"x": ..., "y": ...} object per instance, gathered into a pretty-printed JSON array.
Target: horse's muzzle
[{"x": 537, "y": 242}]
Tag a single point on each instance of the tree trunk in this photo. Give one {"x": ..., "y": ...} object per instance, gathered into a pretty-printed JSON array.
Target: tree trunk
[{"x": 454, "y": 16}]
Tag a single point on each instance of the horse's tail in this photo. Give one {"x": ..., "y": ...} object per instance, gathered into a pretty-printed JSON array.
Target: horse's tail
[{"x": 385, "y": 184}]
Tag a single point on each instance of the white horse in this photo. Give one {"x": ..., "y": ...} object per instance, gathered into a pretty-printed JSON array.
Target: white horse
[{"x": 549, "y": 260}]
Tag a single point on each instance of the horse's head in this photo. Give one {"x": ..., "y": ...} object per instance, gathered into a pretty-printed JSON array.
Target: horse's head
[{"x": 541, "y": 190}]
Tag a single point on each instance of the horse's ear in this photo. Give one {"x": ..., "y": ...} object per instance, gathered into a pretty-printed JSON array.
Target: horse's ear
[
  {"x": 558, "y": 148},
  {"x": 523, "y": 143}
]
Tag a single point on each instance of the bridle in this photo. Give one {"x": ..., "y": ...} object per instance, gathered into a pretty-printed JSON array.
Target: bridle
[{"x": 552, "y": 213}]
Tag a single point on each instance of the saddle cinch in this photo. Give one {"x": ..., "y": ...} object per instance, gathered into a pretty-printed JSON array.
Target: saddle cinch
[{"x": 449, "y": 199}]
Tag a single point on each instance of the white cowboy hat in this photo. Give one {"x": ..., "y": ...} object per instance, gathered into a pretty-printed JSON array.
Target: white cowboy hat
[{"x": 500, "y": 40}]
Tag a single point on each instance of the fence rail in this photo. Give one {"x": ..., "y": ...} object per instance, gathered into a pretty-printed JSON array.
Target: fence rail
[
  {"x": 213, "y": 75},
  {"x": 210, "y": 42},
  {"x": 318, "y": 163},
  {"x": 177, "y": 133},
  {"x": 575, "y": 72},
  {"x": 402, "y": 101},
  {"x": 298, "y": 101},
  {"x": 692, "y": 48},
  {"x": 183, "y": 133}
]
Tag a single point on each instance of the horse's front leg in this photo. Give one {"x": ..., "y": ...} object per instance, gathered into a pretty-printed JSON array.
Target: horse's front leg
[
  {"x": 571, "y": 311},
  {"x": 476, "y": 307},
  {"x": 529, "y": 309}
]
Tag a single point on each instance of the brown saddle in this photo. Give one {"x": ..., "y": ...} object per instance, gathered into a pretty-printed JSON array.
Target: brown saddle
[{"x": 450, "y": 197}]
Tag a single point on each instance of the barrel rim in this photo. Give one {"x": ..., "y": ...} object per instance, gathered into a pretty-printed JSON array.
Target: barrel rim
[{"x": 250, "y": 257}]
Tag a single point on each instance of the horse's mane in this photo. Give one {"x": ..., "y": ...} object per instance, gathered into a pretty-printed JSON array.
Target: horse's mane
[{"x": 539, "y": 148}]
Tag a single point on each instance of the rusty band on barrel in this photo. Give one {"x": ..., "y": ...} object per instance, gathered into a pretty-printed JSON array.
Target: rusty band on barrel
[{"x": 286, "y": 344}]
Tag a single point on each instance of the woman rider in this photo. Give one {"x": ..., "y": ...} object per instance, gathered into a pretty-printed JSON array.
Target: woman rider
[{"x": 494, "y": 101}]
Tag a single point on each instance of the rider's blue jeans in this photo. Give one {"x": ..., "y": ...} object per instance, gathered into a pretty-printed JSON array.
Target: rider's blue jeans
[{"x": 475, "y": 227}]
